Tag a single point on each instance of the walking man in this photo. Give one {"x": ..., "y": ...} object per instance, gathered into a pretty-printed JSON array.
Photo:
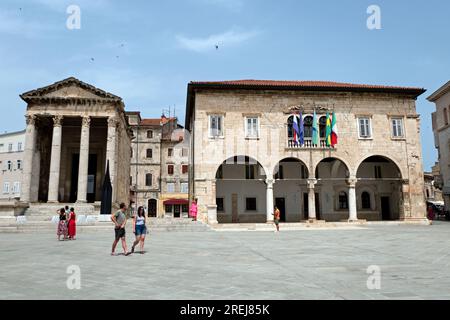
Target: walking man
[
  {"x": 276, "y": 218},
  {"x": 120, "y": 220}
]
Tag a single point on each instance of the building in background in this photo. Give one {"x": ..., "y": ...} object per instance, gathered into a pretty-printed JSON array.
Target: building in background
[
  {"x": 441, "y": 130},
  {"x": 159, "y": 166},
  {"x": 247, "y": 157},
  {"x": 11, "y": 164},
  {"x": 431, "y": 191}
]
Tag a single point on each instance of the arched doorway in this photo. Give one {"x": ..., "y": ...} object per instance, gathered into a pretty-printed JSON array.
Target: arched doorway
[
  {"x": 331, "y": 190},
  {"x": 379, "y": 189},
  {"x": 289, "y": 189},
  {"x": 241, "y": 191},
  {"x": 152, "y": 205}
]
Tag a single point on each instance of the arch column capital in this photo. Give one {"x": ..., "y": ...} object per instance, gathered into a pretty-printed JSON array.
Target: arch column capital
[
  {"x": 311, "y": 183},
  {"x": 270, "y": 183},
  {"x": 352, "y": 182}
]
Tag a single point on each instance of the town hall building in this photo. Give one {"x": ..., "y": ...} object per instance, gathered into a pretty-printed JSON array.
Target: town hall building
[{"x": 246, "y": 157}]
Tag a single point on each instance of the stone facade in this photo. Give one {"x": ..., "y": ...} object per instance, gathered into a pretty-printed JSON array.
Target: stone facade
[
  {"x": 151, "y": 183},
  {"x": 333, "y": 181},
  {"x": 11, "y": 164},
  {"x": 73, "y": 130},
  {"x": 441, "y": 130}
]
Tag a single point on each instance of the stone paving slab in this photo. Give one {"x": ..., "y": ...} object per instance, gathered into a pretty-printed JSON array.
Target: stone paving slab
[{"x": 304, "y": 264}]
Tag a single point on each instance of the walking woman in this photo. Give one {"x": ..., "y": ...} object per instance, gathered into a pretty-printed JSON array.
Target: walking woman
[
  {"x": 193, "y": 210},
  {"x": 72, "y": 225},
  {"x": 139, "y": 229},
  {"x": 62, "y": 226}
]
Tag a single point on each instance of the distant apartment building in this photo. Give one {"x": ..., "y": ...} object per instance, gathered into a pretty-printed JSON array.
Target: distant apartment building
[
  {"x": 11, "y": 164},
  {"x": 441, "y": 130},
  {"x": 159, "y": 166}
]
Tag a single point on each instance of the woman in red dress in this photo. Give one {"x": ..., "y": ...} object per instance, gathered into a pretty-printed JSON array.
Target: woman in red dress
[{"x": 72, "y": 226}]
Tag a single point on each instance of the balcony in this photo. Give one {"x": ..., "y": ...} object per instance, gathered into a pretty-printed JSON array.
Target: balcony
[{"x": 308, "y": 145}]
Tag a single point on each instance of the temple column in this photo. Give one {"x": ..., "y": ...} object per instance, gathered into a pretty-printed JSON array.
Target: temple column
[
  {"x": 111, "y": 153},
  {"x": 311, "y": 200},
  {"x": 55, "y": 160},
  {"x": 30, "y": 149},
  {"x": 269, "y": 200},
  {"x": 84, "y": 161},
  {"x": 352, "y": 199}
]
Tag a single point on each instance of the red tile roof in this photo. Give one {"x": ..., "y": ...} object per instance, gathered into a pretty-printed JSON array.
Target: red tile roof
[
  {"x": 300, "y": 84},
  {"x": 153, "y": 122}
]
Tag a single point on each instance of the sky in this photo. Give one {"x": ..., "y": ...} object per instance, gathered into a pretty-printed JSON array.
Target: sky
[{"x": 147, "y": 51}]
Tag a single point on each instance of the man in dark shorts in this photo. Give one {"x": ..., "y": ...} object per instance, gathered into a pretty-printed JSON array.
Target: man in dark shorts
[
  {"x": 120, "y": 220},
  {"x": 276, "y": 219}
]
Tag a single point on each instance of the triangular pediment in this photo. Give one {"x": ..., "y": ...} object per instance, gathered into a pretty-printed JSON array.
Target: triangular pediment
[{"x": 70, "y": 88}]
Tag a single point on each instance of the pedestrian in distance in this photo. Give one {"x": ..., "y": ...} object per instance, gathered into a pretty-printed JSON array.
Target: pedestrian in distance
[
  {"x": 276, "y": 218},
  {"x": 120, "y": 220},
  {"x": 193, "y": 210},
  {"x": 139, "y": 229},
  {"x": 62, "y": 224},
  {"x": 72, "y": 224}
]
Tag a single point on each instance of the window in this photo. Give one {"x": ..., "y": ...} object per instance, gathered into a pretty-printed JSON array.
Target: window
[
  {"x": 322, "y": 126},
  {"x": 168, "y": 208},
  {"x": 170, "y": 169},
  {"x": 343, "y": 201},
  {"x": 397, "y": 128},
  {"x": 251, "y": 127},
  {"x": 6, "y": 187},
  {"x": 10, "y": 147},
  {"x": 184, "y": 208},
  {"x": 184, "y": 168},
  {"x": 250, "y": 204},
  {"x": 19, "y": 164},
  {"x": 250, "y": 171},
  {"x": 445, "y": 116},
  {"x": 170, "y": 152},
  {"x": 219, "y": 203},
  {"x": 19, "y": 146},
  {"x": 149, "y": 134},
  {"x": 170, "y": 187},
  {"x": 184, "y": 152},
  {"x": 215, "y": 126},
  {"x": 365, "y": 199},
  {"x": 364, "y": 128},
  {"x": 16, "y": 188},
  {"x": 184, "y": 187},
  {"x": 9, "y": 165},
  {"x": 377, "y": 172},
  {"x": 148, "y": 179},
  {"x": 149, "y": 153},
  {"x": 308, "y": 126},
  {"x": 131, "y": 180}
]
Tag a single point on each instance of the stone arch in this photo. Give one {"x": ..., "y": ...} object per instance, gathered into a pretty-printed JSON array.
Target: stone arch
[
  {"x": 276, "y": 169},
  {"x": 388, "y": 158},
  {"x": 335, "y": 166}
]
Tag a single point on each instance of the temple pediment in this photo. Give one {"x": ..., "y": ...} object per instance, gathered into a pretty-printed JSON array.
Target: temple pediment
[{"x": 70, "y": 88}]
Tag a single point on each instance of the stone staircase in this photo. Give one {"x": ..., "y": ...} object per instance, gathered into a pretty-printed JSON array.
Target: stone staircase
[{"x": 102, "y": 223}]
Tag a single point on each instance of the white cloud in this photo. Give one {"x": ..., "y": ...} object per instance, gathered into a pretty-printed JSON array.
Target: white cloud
[{"x": 229, "y": 38}]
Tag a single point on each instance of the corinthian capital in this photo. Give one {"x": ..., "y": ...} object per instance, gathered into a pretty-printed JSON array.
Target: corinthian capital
[
  {"x": 30, "y": 119},
  {"x": 112, "y": 122},
  {"x": 57, "y": 121},
  {"x": 86, "y": 122}
]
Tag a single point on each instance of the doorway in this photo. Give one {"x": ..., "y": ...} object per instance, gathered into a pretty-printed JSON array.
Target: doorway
[
  {"x": 92, "y": 178},
  {"x": 234, "y": 208},
  {"x": 280, "y": 203},
  {"x": 385, "y": 208},
  {"x": 176, "y": 211},
  {"x": 151, "y": 208}
]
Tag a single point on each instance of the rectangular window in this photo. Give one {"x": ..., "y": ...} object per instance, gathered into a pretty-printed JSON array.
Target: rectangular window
[
  {"x": 219, "y": 203},
  {"x": 10, "y": 147},
  {"x": 170, "y": 187},
  {"x": 148, "y": 180},
  {"x": 184, "y": 187},
  {"x": 215, "y": 126},
  {"x": 365, "y": 130},
  {"x": 19, "y": 164},
  {"x": 184, "y": 168},
  {"x": 149, "y": 153},
  {"x": 251, "y": 127},
  {"x": 168, "y": 208},
  {"x": 170, "y": 152},
  {"x": 131, "y": 180},
  {"x": 250, "y": 204},
  {"x": 377, "y": 172},
  {"x": 185, "y": 208},
  {"x": 6, "y": 187},
  {"x": 397, "y": 128},
  {"x": 9, "y": 165},
  {"x": 184, "y": 152},
  {"x": 150, "y": 134},
  {"x": 16, "y": 187},
  {"x": 250, "y": 171},
  {"x": 19, "y": 146},
  {"x": 170, "y": 169}
]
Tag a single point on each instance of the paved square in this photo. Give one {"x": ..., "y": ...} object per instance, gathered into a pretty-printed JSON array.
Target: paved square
[{"x": 309, "y": 264}]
